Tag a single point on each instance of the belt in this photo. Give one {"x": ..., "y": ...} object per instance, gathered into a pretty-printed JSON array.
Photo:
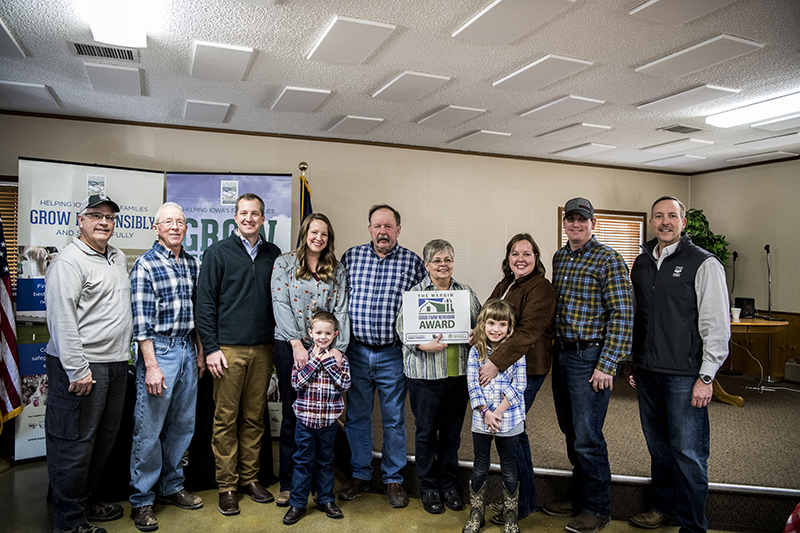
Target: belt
[
  {"x": 579, "y": 345},
  {"x": 379, "y": 346}
]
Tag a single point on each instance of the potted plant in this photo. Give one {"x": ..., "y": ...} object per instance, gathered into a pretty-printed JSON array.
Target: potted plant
[{"x": 697, "y": 228}]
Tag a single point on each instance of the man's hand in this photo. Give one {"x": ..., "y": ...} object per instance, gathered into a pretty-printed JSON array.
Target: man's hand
[
  {"x": 83, "y": 386},
  {"x": 154, "y": 381},
  {"x": 433, "y": 346},
  {"x": 487, "y": 373},
  {"x": 201, "y": 364},
  {"x": 336, "y": 354},
  {"x": 299, "y": 354},
  {"x": 702, "y": 393},
  {"x": 215, "y": 362},
  {"x": 601, "y": 381}
]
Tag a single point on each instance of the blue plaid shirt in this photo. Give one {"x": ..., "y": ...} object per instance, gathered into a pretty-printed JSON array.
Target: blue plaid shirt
[
  {"x": 376, "y": 289},
  {"x": 163, "y": 293},
  {"x": 510, "y": 384}
]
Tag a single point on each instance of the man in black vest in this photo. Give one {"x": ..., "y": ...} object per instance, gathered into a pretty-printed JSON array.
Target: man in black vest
[{"x": 681, "y": 329}]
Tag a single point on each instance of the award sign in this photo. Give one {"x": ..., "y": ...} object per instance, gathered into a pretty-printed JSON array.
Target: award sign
[{"x": 428, "y": 314}]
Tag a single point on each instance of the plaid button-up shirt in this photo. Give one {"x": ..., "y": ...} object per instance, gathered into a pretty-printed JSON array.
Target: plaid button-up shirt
[
  {"x": 510, "y": 384},
  {"x": 376, "y": 288},
  {"x": 163, "y": 293},
  {"x": 594, "y": 300},
  {"x": 319, "y": 385}
]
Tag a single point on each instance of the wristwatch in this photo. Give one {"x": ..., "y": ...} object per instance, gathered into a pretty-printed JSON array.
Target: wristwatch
[{"x": 705, "y": 378}]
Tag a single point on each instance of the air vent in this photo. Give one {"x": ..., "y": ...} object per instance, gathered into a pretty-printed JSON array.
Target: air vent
[
  {"x": 106, "y": 52},
  {"x": 679, "y": 128}
]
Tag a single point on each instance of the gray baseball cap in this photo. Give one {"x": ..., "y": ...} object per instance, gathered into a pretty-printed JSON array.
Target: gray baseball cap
[
  {"x": 582, "y": 206},
  {"x": 96, "y": 199}
]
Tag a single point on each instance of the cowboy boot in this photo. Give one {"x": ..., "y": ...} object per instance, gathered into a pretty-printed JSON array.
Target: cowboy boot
[
  {"x": 477, "y": 501},
  {"x": 510, "y": 508}
]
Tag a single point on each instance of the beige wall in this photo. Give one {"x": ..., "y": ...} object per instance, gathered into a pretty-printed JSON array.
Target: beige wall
[
  {"x": 475, "y": 202},
  {"x": 753, "y": 207}
]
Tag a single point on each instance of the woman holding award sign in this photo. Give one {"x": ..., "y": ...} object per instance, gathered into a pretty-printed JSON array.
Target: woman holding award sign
[
  {"x": 305, "y": 281},
  {"x": 437, "y": 389},
  {"x": 525, "y": 287}
]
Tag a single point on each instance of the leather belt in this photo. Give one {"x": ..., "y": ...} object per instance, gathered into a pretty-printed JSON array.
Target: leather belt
[{"x": 579, "y": 346}]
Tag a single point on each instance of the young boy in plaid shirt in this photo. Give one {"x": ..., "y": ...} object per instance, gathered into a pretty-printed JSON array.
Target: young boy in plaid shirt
[{"x": 319, "y": 385}]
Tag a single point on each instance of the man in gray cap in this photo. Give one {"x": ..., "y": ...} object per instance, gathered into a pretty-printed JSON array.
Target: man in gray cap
[
  {"x": 594, "y": 320},
  {"x": 88, "y": 298}
]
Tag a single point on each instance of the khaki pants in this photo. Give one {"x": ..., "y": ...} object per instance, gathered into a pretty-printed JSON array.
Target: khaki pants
[{"x": 240, "y": 397}]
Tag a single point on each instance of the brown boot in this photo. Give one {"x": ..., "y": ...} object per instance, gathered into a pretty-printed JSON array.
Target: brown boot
[
  {"x": 510, "y": 509},
  {"x": 477, "y": 502}
]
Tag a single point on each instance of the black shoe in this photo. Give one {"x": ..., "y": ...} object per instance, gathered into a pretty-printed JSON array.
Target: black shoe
[
  {"x": 104, "y": 512},
  {"x": 331, "y": 510},
  {"x": 293, "y": 515},
  {"x": 350, "y": 490},
  {"x": 452, "y": 500},
  {"x": 431, "y": 502}
]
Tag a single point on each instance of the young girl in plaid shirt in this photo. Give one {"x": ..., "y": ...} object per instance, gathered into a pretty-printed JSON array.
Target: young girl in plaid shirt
[{"x": 498, "y": 413}]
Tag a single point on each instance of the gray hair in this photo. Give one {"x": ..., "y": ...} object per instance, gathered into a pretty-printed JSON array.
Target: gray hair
[
  {"x": 164, "y": 206},
  {"x": 437, "y": 246}
]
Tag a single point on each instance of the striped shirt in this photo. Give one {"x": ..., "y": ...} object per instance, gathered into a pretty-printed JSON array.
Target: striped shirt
[
  {"x": 418, "y": 364},
  {"x": 163, "y": 292},
  {"x": 510, "y": 384},
  {"x": 319, "y": 385},
  {"x": 376, "y": 288},
  {"x": 594, "y": 300}
]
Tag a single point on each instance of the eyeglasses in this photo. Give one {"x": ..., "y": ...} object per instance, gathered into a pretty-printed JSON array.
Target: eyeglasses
[
  {"x": 169, "y": 223},
  {"x": 437, "y": 262},
  {"x": 97, "y": 216}
]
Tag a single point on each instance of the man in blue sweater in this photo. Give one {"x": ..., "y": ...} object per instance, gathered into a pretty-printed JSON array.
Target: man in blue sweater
[{"x": 236, "y": 326}]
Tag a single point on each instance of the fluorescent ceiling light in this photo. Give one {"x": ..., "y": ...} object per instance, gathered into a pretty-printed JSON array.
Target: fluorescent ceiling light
[
  {"x": 504, "y": 21},
  {"x": 766, "y": 156},
  {"x": 585, "y": 149},
  {"x": 450, "y": 116},
  {"x": 692, "y": 97},
  {"x": 675, "y": 160},
  {"x": 118, "y": 22},
  {"x": 772, "y": 142},
  {"x": 778, "y": 124},
  {"x": 774, "y": 107},
  {"x": 720, "y": 48},
  {"x": 677, "y": 146}
]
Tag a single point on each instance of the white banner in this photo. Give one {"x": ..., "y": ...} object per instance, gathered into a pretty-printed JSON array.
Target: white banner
[{"x": 428, "y": 314}]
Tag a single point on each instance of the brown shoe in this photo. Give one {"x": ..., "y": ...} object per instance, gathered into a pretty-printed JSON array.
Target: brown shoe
[
  {"x": 144, "y": 518},
  {"x": 397, "y": 496},
  {"x": 331, "y": 510},
  {"x": 587, "y": 523},
  {"x": 257, "y": 493},
  {"x": 182, "y": 499},
  {"x": 650, "y": 520},
  {"x": 228, "y": 503},
  {"x": 283, "y": 498},
  {"x": 293, "y": 515},
  {"x": 350, "y": 490}
]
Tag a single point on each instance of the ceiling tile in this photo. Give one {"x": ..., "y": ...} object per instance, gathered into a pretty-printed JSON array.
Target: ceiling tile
[
  {"x": 8, "y": 44},
  {"x": 766, "y": 156},
  {"x": 583, "y": 150},
  {"x": 692, "y": 97},
  {"x": 478, "y": 139},
  {"x": 299, "y": 99},
  {"x": 199, "y": 111},
  {"x": 450, "y": 116},
  {"x": 26, "y": 95},
  {"x": 772, "y": 142},
  {"x": 114, "y": 79},
  {"x": 681, "y": 145},
  {"x": 542, "y": 72},
  {"x": 563, "y": 107},
  {"x": 220, "y": 62},
  {"x": 410, "y": 86},
  {"x": 353, "y": 125},
  {"x": 265, "y": 3},
  {"x": 720, "y": 48},
  {"x": 574, "y": 131},
  {"x": 779, "y": 124},
  {"x": 349, "y": 41},
  {"x": 505, "y": 21},
  {"x": 675, "y": 160},
  {"x": 677, "y": 12}
]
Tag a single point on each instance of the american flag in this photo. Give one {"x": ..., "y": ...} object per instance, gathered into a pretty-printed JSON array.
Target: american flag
[{"x": 10, "y": 383}]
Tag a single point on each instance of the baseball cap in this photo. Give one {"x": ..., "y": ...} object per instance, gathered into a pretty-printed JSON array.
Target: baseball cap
[
  {"x": 582, "y": 206},
  {"x": 96, "y": 199}
]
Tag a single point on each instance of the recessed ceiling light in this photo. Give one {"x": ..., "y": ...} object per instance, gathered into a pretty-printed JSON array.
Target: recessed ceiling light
[
  {"x": 349, "y": 41},
  {"x": 300, "y": 99},
  {"x": 220, "y": 62},
  {"x": 574, "y": 131},
  {"x": 505, "y": 21},
  {"x": 199, "y": 111},
  {"x": 118, "y": 22},
  {"x": 542, "y": 72},
  {"x": 584, "y": 150},
  {"x": 450, "y": 116},
  {"x": 778, "y": 124},
  {"x": 354, "y": 125},
  {"x": 675, "y": 160},
  {"x": 410, "y": 86},
  {"x": 480, "y": 138},
  {"x": 760, "y": 111},
  {"x": 563, "y": 107},
  {"x": 692, "y": 97},
  {"x": 766, "y": 156},
  {"x": 720, "y": 48},
  {"x": 677, "y": 12},
  {"x": 772, "y": 142},
  {"x": 677, "y": 146}
]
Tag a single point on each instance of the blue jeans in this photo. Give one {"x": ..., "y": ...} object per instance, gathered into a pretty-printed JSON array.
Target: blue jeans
[
  {"x": 527, "y": 487},
  {"x": 581, "y": 413},
  {"x": 372, "y": 369},
  {"x": 80, "y": 432},
  {"x": 506, "y": 450},
  {"x": 439, "y": 406},
  {"x": 677, "y": 436},
  {"x": 284, "y": 361},
  {"x": 313, "y": 464},
  {"x": 163, "y": 425}
]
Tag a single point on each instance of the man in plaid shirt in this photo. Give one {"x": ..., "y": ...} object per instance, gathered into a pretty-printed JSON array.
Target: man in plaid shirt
[
  {"x": 170, "y": 361},
  {"x": 593, "y": 327},
  {"x": 378, "y": 274}
]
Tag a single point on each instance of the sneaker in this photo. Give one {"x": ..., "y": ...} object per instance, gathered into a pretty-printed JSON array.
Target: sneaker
[
  {"x": 182, "y": 499},
  {"x": 144, "y": 518},
  {"x": 587, "y": 523},
  {"x": 650, "y": 520},
  {"x": 83, "y": 528},
  {"x": 104, "y": 512},
  {"x": 559, "y": 509}
]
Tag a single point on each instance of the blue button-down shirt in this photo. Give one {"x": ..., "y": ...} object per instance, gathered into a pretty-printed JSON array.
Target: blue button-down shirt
[
  {"x": 376, "y": 288},
  {"x": 163, "y": 293}
]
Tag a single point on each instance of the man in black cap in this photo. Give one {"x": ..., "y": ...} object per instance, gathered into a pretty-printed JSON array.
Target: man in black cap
[
  {"x": 88, "y": 298},
  {"x": 594, "y": 319}
]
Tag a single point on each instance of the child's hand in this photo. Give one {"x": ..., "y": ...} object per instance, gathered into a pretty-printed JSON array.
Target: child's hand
[{"x": 492, "y": 420}]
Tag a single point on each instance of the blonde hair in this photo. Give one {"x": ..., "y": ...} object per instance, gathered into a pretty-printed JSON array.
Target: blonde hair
[
  {"x": 494, "y": 309},
  {"x": 327, "y": 260}
]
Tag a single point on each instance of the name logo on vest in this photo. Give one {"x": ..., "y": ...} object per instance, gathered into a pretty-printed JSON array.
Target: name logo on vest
[{"x": 677, "y": 272}]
